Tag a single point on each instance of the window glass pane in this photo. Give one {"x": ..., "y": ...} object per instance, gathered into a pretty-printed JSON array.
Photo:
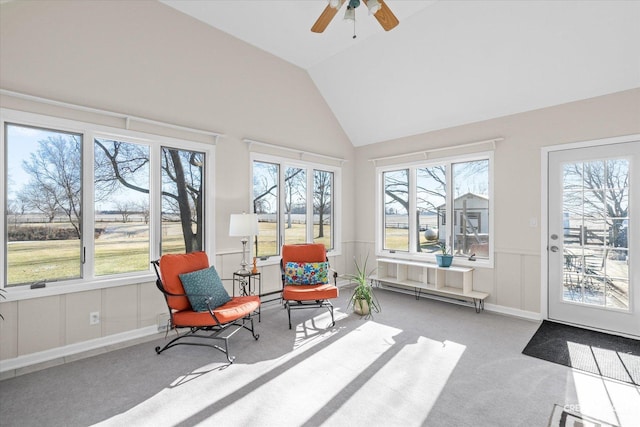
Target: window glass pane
[
  {"x": 471, "y": 208},
  {"x": 182, "y": 201},
  {"x": 295, "y": 204},
  {"x": 396, "y": 210},
  {"x": 121, "y": 184},
  {"x": 323, "y": 208},
  {"x": 265, "y": 204},
  {"x": 44, "y": 189},
  {"x": 431, "y": 193},
  {"x": 596, "y": 246}
]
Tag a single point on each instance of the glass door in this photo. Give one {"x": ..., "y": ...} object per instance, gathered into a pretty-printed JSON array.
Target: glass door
[{"x": 593, "y": 237}]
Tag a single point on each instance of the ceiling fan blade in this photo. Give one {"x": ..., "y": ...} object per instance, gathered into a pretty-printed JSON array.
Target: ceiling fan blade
[
  {"x": 385, "y": 17},
  {"x": 325, "y": 18}
]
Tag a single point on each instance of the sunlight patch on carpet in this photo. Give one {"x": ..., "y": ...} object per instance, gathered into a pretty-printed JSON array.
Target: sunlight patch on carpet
[
  {"x": 613, "y": 402},
  {"x": 311, "y": 383},
  {"x": 324, "y": 381},
  {"x": 412, "y": 375}
]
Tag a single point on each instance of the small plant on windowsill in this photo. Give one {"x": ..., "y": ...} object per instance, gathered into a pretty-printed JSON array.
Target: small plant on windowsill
[
  {"x": 444, "y": 258},
  {"x": 363, "y": 298}
]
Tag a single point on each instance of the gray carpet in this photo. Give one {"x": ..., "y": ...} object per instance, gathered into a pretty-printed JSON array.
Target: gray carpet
[{"x": 417, "y": 363}]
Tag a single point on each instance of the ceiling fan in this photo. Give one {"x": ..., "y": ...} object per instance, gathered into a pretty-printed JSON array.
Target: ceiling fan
[{"x": 378, "y": 8}]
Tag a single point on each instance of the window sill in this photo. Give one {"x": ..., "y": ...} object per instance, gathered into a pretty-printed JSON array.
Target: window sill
[
  {"x": 19, "y": 293},
  {"x": 458, "y": 261}
]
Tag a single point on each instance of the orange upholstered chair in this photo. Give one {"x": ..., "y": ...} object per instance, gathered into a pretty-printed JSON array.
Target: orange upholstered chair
[
  {"x": 197, "y": 300},
  {"x": 307, "y": 279}
]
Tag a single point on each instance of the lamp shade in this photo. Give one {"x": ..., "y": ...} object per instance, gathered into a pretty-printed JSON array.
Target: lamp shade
[{"x": 243, "y": 225}]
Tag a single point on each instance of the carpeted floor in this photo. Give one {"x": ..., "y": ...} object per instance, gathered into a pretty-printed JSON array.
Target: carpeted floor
[
  {"x": 417, "y": 363},
  {"x": 603, "y": 354}
]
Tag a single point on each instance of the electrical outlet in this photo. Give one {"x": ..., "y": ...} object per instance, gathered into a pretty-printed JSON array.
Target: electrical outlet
[{"x": 94, "y": 318}]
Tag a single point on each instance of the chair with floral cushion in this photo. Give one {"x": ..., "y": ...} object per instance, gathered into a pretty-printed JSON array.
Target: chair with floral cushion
[
  {"x": 198, "y": 301},
  {"x": 306, "y": 278}
]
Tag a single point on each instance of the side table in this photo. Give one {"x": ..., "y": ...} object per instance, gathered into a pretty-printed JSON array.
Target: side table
[{"x": 248, "y": 283}]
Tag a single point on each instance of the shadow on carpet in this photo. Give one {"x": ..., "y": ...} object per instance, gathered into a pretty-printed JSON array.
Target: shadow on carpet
[{"x": 602, "y": 354}]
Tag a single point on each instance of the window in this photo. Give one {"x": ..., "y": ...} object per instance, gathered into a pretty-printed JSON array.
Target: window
[
  {"x": 182, "y": 201},
  {"x": 322, "y": 208},
  {"x": 445, "y": 201},
  {"x": 121, "y": 213},
  {"x": 266, "y": 205},
  {"x": 147, "y": 198},
  {"x": 295, "y": 203},
  {"x": 44, "y": 199},
  {"x": 396, "y": 210}
]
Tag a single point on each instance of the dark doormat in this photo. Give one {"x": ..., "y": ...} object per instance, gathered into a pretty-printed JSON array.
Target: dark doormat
[{"x": 603, "y": 354}]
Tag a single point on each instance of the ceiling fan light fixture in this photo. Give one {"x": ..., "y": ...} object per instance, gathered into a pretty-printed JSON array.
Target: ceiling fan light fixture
[
  {"x": 350, "y": 14},
  {"x": 335, "y": 4},
  {"x": 374, "y": 6}
]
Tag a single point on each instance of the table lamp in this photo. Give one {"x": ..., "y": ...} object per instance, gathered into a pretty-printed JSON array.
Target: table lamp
[{"x": 244, "y": 225}]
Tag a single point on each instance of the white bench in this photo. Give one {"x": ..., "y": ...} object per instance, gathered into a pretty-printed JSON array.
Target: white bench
[{"x": 428, "y": 278}]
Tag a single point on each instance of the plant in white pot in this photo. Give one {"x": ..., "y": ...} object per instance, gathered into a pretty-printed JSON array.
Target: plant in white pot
[
  {"x": 444, "y": 258},
  {"x": 363, "y": 298}
]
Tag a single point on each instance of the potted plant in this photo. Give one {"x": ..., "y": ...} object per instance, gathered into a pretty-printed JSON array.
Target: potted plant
[
  {"x": 363, "y": 298},
  {"x": 444, "y": 258}
]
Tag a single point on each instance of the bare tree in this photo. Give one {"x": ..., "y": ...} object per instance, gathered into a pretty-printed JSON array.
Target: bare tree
[
  {"x": 125, "y": 209},
  {"x": 182, "y": 182},
  {"x": 599, "y": 191},
  {"x": 184, "y": 172},
  {"x": 322, "y": 188},
  {"x": 143, "y": 208},
  {"x": 16, "y": 209},
  {"x": 55, "y": 170},
  {"x": 295, "y": 184},
  {"x": 40, "y": 198}
]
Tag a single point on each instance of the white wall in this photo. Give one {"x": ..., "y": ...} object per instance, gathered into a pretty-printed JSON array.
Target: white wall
[
  {"x": 514, "y": 284},
  {"x": 145, "y": 59}
]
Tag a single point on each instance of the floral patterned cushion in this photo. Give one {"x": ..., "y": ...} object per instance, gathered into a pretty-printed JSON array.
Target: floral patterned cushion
[
  {"x": 306, "y": 273},
  {"x": 201, "y": 284}
]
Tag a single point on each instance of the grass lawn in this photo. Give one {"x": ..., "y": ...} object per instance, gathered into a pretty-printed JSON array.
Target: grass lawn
[
  {"x": 124, "y": 248},
  {"x": 34, "y": 261}
]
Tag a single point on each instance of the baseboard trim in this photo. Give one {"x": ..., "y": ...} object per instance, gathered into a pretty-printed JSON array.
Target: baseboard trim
[
  {"x": 75, "y": 349},
  {"x": 516, "y": 312},
  {"x": 500, "y": 309}
]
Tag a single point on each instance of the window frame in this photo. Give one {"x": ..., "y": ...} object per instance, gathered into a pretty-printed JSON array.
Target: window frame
[
  {"x": 449, "y": 219},
  {"x": 90, "y": 131},
  {"x": 284, "y": 163}
]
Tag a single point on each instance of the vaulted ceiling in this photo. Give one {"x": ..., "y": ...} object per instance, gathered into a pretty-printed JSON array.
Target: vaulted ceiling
[{"x": 448, "y": 62}]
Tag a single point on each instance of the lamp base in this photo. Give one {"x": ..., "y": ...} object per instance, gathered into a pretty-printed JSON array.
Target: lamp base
[{"x": 244, "y": 271}]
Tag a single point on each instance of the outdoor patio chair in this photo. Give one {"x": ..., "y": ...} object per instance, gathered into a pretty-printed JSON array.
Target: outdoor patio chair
[
  {"x": 197, "y": 300},
  {"x": 306, "y": 278}
]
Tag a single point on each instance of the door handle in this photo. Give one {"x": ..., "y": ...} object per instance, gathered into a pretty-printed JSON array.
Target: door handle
[{"x": 554, "y": 249}]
